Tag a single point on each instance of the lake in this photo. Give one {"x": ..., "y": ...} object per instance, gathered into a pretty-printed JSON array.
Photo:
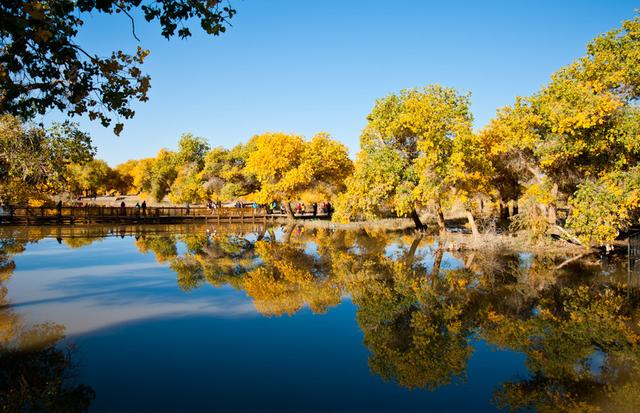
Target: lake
[{"x": 248, "y": 318}]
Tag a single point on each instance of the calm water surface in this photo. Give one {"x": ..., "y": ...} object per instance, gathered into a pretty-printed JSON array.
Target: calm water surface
[{"x": 246, "y": 319}]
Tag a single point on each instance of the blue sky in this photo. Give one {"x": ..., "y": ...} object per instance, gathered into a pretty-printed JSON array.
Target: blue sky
[{"x": 310, "y": 66}]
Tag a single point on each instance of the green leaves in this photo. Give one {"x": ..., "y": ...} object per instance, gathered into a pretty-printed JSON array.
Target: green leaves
[
  {"x": 416, "y": 149},
  {"x": 33, "y": 161}
]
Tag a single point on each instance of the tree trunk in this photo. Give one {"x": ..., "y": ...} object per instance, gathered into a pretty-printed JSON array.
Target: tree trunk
[
  {"x": 504, "y": 210},
  {"x": 440, "y": 218},
  {"x": 511, "y": 208},
  {"x": 472, "y": 224},
  {"x": 409, "y": 257},
  {"x": 437, "y": 260},
  {"x": 286, "y": 236},
  {"x": 552, "y": 215},
  {"x": 289, "y": 210},
  {"x": 262, "y": 233},
  {"x": 416, "y": 220}
]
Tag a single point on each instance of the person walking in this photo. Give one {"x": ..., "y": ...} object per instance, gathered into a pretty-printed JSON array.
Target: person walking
[
  {"x": 59, "y": 209},
  {"x": 123, "y": 209},
  {"x": 144, "y": 208},
  {"x": 315, "y": 209}
]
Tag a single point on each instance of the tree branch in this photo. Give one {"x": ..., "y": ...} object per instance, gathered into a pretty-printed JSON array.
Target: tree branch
[{"x": 133, "y": 22}]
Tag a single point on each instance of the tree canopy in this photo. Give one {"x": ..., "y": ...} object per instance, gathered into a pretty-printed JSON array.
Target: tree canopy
[
  {"x": 417, "y": 150},
  {"x": 286, "y": 166}
]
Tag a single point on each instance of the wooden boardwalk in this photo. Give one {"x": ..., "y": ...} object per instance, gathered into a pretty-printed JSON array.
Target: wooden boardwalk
[{"x": 130, "y": 215}]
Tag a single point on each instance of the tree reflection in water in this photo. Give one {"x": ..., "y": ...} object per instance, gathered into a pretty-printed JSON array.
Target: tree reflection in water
[
  {"x": 35, "y": 371},
  {"x": 577, "y": 329},
  {"x": 419, "y": 309}
]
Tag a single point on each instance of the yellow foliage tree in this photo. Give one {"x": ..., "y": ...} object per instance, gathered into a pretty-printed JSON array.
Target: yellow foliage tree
[{"x": 286, "y": 166}]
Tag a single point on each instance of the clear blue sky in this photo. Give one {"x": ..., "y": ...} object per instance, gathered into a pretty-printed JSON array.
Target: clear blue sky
[{"x": 310, "y": 66}]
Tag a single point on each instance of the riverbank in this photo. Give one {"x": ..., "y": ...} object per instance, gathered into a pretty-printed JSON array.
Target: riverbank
[{"x": 459, "y": 238}]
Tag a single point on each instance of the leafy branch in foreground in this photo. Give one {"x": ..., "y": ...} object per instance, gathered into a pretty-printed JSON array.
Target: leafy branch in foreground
[{"x": 43, "y": 67}]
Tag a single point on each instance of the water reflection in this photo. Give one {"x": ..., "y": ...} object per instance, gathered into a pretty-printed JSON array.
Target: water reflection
[
  {"x": 35, "y": 369},
  {"x": 420, "y": 308}
]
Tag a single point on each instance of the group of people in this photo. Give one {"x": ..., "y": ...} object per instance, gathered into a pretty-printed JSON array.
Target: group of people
[
  {"x": 325, "y": 208},
  {"x": 139, "y": 208},
  {"x": 214, "y": 205}
]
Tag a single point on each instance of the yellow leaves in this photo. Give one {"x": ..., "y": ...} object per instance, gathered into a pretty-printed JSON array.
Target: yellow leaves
[
  {"x": 539, "y": 193},
  {"x": 285, "y": 282},
  {"x": 546, "y": 314},
  {"x": 274, "y": 155},
  {"x": 37, "y": 202},
  {"x": 602, "y": 208},
  {"x": 494, "y": 317},
  {"x": 578, "y": 109},
  {"x": 141, "y": 54},
  {"x": 512, "y": 128},
  {"x": 286, "y": 165},
  {"x": 187, "y": 188},
  {"x": 417, "y": 148}
]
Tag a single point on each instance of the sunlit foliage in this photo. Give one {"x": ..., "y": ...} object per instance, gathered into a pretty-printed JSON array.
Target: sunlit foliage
[
  {"x": 286, "y": 166},
  {"x": 34, "y": 161}
]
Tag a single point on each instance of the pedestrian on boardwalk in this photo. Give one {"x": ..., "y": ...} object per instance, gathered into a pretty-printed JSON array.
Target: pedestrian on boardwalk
[
  {"x": 144, "y": 207},
  {"x": 123, "y": 209}
]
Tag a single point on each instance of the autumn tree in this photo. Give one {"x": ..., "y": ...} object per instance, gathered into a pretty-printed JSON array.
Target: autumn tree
[
  {"x": 34, "y": 161},
  {"x": 134, "y": 176},
  {"x": 575, "y": 136},
  {"x": 418, "y": 150},
  {"x": 224, "y": 175},
  {"x": 162, "y": 172},
  {"x": 93, "y": 177},
  {"x": 286, "y": 166},
  {"x": 188, "y": 161},
  {"x": 44, "y": 67},
  {"x": 382, "y": 181}
]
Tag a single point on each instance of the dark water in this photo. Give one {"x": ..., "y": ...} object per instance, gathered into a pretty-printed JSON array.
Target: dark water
[{"x": 242, "y": 319}]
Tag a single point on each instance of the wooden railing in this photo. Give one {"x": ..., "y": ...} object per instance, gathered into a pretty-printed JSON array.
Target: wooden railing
[{"x": 115, "y": 213}]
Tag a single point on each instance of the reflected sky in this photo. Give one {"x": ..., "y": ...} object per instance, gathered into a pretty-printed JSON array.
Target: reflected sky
[{"x": 107, "y": 283}]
